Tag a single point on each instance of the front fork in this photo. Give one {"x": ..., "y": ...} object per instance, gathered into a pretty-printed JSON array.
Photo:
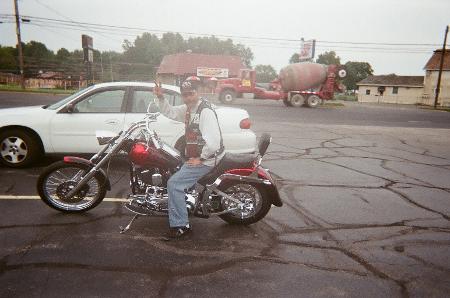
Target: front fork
[{"x": 96, "y": 167}]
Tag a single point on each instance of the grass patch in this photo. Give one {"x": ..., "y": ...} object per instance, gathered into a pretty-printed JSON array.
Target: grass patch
[
  {"x": 444, "y": 109},
  {"x": 438, "y": 108},
  {"x": 17, "y": 88},
  {"x": 333, "y": 104},
  {"x": 345, "y": 97}
]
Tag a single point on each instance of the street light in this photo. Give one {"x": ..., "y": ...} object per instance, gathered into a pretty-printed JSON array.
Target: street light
[{"x": 441, "y": 65}]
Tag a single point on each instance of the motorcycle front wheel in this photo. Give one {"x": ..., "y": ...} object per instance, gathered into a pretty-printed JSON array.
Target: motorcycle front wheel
[
  {"x": 256, "y": 203},
  {"x": 59, "y": 178}
]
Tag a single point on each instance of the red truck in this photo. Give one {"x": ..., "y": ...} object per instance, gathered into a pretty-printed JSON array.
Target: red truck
[{"x": 297, "y": 84}]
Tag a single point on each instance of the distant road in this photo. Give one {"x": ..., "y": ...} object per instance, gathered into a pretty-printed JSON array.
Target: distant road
[
  {"x": 351, "y": 113},
  {"x": 18, "y": 99}
]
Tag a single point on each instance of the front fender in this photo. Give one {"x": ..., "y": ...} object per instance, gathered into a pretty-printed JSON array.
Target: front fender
[
  {"x": 265, "y": 181},
  {"x": 88, "y": 163}
]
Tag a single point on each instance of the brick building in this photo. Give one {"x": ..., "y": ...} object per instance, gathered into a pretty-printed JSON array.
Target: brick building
[
  {"x": 177, "y": 67},
  {"x": 431, "y": 77}
]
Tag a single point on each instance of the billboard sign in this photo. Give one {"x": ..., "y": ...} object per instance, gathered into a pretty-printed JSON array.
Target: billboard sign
[
  {"x": 212, "y": 72},
  {"x": 307, "y": 49},
  {"x": 88, "y": 48}
]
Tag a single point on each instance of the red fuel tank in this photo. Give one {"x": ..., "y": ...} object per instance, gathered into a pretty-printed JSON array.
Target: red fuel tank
[{"x": 302, "y": 76}]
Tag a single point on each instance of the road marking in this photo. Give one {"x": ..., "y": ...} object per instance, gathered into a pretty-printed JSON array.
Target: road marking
[{"x": 4, "y": 197}]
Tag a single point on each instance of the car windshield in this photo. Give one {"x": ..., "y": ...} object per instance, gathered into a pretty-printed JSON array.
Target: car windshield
[{"x": 62, "y": 102}]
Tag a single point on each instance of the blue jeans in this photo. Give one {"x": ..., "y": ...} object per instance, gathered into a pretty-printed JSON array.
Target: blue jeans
[{"x": 186, "y": 177}]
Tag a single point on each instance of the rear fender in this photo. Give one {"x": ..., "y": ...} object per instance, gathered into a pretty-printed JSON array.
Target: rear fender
[
  {"x": 88, "y": 163},
  {"x": 264, "y": 179}
]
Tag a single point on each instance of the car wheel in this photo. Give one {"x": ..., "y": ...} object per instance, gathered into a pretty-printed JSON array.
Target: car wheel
[
  {"x": 313, "y": 101},
  {"x": 18, "y": 148},
  {"x": 297, "y": 100},
  {"x": 227, "y": 96}
]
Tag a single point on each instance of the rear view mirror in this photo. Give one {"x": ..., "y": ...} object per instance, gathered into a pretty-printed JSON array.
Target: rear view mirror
[
  {"x": 70, "y": 108},
  {"x": 264, "y": 143}
]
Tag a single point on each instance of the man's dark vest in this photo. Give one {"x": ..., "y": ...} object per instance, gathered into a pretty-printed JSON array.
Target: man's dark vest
[{"x": 193, "y": 135}]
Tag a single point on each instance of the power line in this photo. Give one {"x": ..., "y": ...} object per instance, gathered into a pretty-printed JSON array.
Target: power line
[
  {"x": 93, "y": 25},
  {"x": 60, "y": 14}
]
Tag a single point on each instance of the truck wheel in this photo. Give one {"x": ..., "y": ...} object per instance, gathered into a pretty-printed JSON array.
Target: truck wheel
[
  {"x": 313, "y": 101},
  {"x": 227, "y": 96},
  {"x": 287, "y": 103},
  {"x": 297, "y": 100}
]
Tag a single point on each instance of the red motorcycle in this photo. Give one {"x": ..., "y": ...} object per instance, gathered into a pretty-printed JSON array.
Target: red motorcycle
[{"x": 237, "y": 189}]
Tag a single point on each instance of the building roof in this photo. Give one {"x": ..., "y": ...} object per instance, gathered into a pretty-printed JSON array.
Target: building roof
[
  {"x": 187, "y": 63},
  {"x": 435, "y": 60},
  {"x": 393, "y": 80},
  {"x": 51, "y": 75}
]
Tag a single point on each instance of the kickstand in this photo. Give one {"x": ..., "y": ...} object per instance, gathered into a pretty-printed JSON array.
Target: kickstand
[{"x": 123, "y": 230}]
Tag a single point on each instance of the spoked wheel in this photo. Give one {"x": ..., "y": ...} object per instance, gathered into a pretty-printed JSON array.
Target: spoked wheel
[
  {"x": 254, "y": 203},
  {"x": 60, "y": 178}
]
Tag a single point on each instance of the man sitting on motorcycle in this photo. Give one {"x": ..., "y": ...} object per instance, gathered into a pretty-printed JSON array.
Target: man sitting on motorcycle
[{"x": 204, "y": 149}]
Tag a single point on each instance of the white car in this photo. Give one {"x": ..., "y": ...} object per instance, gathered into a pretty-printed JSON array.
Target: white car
[{"x": 69, "y": 125}]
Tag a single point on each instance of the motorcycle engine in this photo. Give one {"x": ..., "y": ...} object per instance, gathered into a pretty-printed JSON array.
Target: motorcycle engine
[{"x": 144, "y": 177}]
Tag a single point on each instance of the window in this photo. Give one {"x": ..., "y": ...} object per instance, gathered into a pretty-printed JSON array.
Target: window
[
  {"x": 394, "y": 90},
  {"x": 367, "y": 91},
  {"x": 142, "y": 98},
  {"x": 109, "y": 101}
]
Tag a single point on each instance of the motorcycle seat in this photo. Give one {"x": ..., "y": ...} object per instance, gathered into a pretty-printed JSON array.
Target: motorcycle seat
[{"x": 229, "y": 161}]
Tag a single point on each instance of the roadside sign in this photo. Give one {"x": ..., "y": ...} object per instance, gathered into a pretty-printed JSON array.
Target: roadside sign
[
  {"x": 212, "y": 72},
  {"x": 88, "y": 48},
  {"x": 307, "y": 49}
]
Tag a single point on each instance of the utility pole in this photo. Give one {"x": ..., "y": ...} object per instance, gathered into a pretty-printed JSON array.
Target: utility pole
[
  {"x": 19, "y": 45},
  {"x": 441, "y": 65},
  {"x": 111, "y": 68},
  {"x": 101, "y": 65}
]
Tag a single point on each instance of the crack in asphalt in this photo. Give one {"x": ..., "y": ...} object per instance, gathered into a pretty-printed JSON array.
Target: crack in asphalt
[
  {"x": 369, "y": 267},
  {"x": 414, "y": 203},
  {"x": 288, "y": 185},
  {"x": 314, "y": 224},
  {"x": 117, "y": 213}
]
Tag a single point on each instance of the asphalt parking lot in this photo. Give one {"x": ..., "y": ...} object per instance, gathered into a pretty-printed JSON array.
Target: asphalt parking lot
[{"x": 366, "y": 213}]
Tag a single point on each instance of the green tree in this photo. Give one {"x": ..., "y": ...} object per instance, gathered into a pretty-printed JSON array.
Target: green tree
[
  {"x": 62, "y": 55},
  {"x": 141, "y": 58},
  {"x": 265, "y": 73},
  {"x": 173, "y": 43},
  {"x": 295, "y": 58},
  {"x": 8, "y": 61},
  {"x": 37, "y": 58},
  {"x": 329, "y": 58},
  {"x": 356, "y": 71},
  {"x": 246, "y": 54}
]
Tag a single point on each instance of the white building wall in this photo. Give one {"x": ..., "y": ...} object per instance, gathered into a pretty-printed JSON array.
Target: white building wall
[
  {"x": 405, "y": 95},
  {"x": 430, "y": 84}
]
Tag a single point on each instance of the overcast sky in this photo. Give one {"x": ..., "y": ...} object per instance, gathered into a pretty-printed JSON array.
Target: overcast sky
[{"x": 344, "y": 26}]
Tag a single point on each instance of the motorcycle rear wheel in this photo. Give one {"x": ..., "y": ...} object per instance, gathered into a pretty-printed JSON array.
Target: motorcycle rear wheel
[
  {"x": 59, "y": 178},
  {"x": 257, "y": 202}
]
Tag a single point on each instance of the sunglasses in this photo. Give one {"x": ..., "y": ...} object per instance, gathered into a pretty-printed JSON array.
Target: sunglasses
[{"x": 187, "y": 93}]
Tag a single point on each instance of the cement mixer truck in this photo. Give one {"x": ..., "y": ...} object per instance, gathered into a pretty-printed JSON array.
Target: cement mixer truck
[{"x": 298, "y": 84}]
